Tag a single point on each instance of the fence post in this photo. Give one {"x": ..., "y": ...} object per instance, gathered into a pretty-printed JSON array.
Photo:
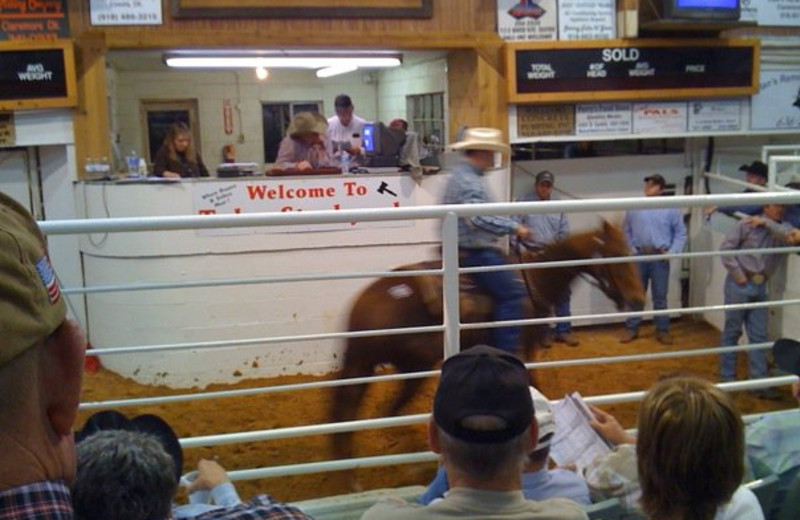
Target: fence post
[{"x": 452, "y": 325}]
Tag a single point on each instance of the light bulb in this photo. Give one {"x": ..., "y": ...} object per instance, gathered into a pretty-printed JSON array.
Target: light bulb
[{"x": 262, "y": 73}]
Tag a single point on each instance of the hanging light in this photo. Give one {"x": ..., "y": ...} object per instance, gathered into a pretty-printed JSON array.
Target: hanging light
[{"x": 262, "y": 73}]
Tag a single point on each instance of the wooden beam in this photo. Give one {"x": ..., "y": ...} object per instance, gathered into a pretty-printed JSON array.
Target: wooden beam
[
  {"x": 476, "y": 92},
  {"x": 90, "y": 119}
]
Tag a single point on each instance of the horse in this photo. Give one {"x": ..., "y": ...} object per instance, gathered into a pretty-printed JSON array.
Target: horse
[{"x": 414, "y": 301}]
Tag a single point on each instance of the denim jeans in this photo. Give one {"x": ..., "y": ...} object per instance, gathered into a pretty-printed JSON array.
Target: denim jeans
[
  {"x": 755, "y": 323},
  {"x": 506, "y": 290},
  {"x": 657, "y": 274},
  {"x": 562, "y": 309}
]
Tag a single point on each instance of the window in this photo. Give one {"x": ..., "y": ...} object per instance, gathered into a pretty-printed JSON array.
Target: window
[{"x": 425, "y": 114}]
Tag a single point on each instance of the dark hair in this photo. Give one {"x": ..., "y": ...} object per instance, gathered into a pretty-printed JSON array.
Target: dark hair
[
  {"x": 690, "y": 449},
  {"x": 123, "y": 475},
  {"x": 343, "y": 101}
]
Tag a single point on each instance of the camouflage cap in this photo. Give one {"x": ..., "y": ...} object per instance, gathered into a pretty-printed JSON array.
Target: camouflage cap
[{"x": 31, "y": 306}]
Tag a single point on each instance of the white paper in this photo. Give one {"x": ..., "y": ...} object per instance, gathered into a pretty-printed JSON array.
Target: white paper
[
  {"x": 587, "y": 20},
  {"x": 603, "y": 119},
  {"x": 520, "y": 20},
  {"x": 659, "y": 118},
  {"x": 575, "y": 441},
  {"x": 771, "y": 12},
  {"x": 721, "y": 115},
  {"x": 777, "y": 104},
  {"x": 125, "y": 12}
]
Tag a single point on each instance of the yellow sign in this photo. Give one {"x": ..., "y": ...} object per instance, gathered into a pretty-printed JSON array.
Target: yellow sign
[{"x": 538, "y": 120}]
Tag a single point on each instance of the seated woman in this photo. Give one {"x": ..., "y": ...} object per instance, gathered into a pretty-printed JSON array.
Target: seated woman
[
  {"x": 177, "y": 157},
  {"x": 304, "y": 146}
]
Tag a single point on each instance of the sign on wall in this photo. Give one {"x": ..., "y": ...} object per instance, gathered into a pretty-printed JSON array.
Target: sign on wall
[
  {"x": 302, "y": 9},
  {"x": 603, "y": 119},
  {"x": 287, "y": 194},
  {"x": 777, "y": 105},
  {"x": 527, "y": 20},
  {"x": 587, "y": 19},
  {"x": 771, "y": 12},
  {"x": 717, "y": 115},
  {"x": 125, "y": 12},
  {"x": 37, "y": 75},
  {"x": 631, "y": 69},
  {"x": 33, "y": 19},
  {"x": 659, "y": 118},
  {"x": 545, "y": 120}
]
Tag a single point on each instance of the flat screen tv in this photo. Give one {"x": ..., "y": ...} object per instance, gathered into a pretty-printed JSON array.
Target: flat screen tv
[{"x": 701, "y": 10}]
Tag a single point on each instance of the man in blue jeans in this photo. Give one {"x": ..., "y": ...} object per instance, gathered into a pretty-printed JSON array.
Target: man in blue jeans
[
  {"x": 547, "y": 228},
  {"x": 479, "y": 237},
  {"x": 746, "y": 282},
  {"x": 654, "y": 232}
]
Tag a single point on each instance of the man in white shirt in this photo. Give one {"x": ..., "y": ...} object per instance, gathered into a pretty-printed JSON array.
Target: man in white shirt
[{"x": 346, "y": 127}]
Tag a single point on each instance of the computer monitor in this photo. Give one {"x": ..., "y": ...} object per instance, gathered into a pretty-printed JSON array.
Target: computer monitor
[
  {"x": 701, "y": 10},
  {"x": 382, "y": 144}
]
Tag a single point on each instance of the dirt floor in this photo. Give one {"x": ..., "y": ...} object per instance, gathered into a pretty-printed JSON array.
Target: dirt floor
[{"x": 280, "y": 410}]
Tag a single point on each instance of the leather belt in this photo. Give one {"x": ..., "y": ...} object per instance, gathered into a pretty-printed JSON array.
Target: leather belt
[{"x": 650, "y": 250}]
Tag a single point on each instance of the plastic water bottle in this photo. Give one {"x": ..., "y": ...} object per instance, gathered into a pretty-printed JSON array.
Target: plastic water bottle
[
  {"x": 344, "y": 161},
  {"x": 132, "y": 161}
]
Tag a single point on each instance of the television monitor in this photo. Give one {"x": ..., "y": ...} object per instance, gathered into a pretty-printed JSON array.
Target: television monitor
[
  {"x": 382, "y": 144},
  {"x": 701, "y": 10}
]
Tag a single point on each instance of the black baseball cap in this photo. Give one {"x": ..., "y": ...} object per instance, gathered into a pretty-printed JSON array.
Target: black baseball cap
[
  {"x": 483, "y": 380},
  {"x": 656, "y": 179},
  {"x": 787, "y": 355},
  {"x": 148, "y": 423},
  {"x": 545, "y": 176},
  {"x": 756, "y": 168}
]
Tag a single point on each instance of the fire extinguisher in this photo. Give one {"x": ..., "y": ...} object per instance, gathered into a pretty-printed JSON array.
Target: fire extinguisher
[{"x": 227, "y": 116}]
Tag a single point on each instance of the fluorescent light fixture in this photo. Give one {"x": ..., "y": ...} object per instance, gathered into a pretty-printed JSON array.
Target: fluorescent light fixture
[
  {"x": 327, "y": 72},
  {"x": 293, "y": 59}
]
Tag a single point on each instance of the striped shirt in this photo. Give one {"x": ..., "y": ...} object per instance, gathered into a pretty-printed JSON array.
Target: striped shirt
[{"x": 467, "y": 186}]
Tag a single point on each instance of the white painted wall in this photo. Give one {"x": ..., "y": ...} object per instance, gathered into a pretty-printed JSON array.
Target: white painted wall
[{"x": 423, "y": 77}]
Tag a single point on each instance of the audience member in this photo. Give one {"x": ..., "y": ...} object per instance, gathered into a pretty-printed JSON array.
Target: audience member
[
  {"x": 654, "y": 232},
  {"x": 129, "y": 469},
  {"x": 792, "y": 215},
  {"x": 41, "y": 364},
  {"x": 346, "y": 130},
  {"x": 399, "y": 124},
  {"x": 304, "y": 146},
  {"x": 483, "y": 426},
  {"x": 755, "y": 173},
  {"x": 177, "y": 156},
  {"x": 538, "y": 482},
  {"x": 746, "y": 282},
  {"x": 479, "y": 236},
  {"x": 547, "y": 228}
]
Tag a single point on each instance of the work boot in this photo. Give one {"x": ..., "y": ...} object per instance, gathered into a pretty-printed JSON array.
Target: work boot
[
  {"x": 628, "y": 336},
  {"x": 664, "y": 337},
  {"x": 567, "y": 338}
]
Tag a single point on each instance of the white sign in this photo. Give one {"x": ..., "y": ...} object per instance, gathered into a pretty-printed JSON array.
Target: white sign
[
  {"x": 659, "y": 118},
  {"x": 721, "y": 115},
  {"x": 125, "y": 12},
  {"x": 777, "y": 104},
  {"x": 603, "y": 119},
  {"x": 587, "y": 20},
  {"x": 526, "y": 20},
  {"x": 771, "y": 12},
  {"x": 285, "y": 194}
]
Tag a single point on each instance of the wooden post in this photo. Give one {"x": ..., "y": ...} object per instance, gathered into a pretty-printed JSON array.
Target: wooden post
[
  {"x": 477, "y": 91},
  {"x": 90, "y": 119}
]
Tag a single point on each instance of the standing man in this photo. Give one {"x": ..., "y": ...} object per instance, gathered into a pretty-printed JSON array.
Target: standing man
[
  {"x": 344, "y": 127},
  {"x": 479, "y": 236},
  {"x": 754, "y": 173},
  {"x": 483, "y": 427},
  {"x": 654, "y": 232},
  {"x": 546, "y": 229},
  {"x": 746, "y": 282},
  {"x": 41, "y": 365}
]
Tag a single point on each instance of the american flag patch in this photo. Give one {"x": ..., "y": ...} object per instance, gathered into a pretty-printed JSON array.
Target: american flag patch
[{"x": 49, "y": 279}]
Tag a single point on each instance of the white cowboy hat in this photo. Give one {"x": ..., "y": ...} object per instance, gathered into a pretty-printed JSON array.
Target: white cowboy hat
[{"x": 482, "y": 139}]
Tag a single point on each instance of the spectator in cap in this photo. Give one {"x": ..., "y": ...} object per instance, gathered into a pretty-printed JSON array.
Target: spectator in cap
[
  {"x": 346, "y": 129},
  {"x": 479, "y": 237},
  {"x": 792, "y": 215},
  {"x": 483, "y": 426},
  {"x": 746, "y": 282},
  {"x": 756, "y": 174},
  {"x": 654, "y": 232},
  {"x": 304, "y": 146},
  {"x": 41, "y": 364},
  {"x": 538, "y": 482},
  {"x": 547, "y": 228},
  {"x": 129, "y": 469}
]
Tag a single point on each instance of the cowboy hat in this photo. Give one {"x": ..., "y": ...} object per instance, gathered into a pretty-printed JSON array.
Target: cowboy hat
[
  {"x": 307, "y": 123},
  {"x": 490, "y": 139}
]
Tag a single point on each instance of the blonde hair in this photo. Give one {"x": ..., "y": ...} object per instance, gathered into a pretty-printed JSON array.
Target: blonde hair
[
  {"x": 690, "y": 449},
  {"x": 175, "y": 130}
]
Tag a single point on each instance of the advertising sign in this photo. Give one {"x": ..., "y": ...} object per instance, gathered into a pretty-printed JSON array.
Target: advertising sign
[
  {"x": 603, "y": 119},
  {"x": 125, "y": 12},
  {"x": 527, "y": 20},
  {"x": 777, "y": 105},
  {"x": 587, "y": 19},
  {"x": 659, "y": 118},
  {"x": 33, "y": 20}
]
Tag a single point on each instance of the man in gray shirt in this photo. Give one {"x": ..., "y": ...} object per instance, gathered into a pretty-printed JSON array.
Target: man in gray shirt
[
  {"x": 483, "y": 426},
  {"x": 746, "y": 282}
]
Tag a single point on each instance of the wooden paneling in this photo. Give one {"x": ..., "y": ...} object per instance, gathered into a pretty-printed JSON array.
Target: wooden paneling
[
  {"x": 91, "y": 117},
  {"x": 477, "y": 95}
]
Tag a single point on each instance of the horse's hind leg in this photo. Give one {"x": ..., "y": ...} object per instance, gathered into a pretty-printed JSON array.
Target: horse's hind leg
[{"x": 409, "y": 390}]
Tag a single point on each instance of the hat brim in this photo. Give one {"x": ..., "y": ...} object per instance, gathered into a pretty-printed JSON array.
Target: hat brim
[
  {"x": 475, "y": 145},
  {"x": 787, "y": 355}
]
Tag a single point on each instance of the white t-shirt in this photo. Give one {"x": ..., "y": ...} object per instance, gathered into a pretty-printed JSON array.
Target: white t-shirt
[
  {"x": 743, "y": 506},
  {"x": 338, "y": 132}
]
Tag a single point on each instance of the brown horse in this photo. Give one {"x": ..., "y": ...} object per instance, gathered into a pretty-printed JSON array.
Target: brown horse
[{"x": 414, "y": 301}]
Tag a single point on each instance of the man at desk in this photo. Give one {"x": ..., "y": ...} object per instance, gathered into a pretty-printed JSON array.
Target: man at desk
[
  {"x": 304, "y": 146},
  {"x": 345, "y": 129}
]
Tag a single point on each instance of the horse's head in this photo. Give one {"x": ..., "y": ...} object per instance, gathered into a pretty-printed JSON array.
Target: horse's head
[{"x": 619, "y": 281}]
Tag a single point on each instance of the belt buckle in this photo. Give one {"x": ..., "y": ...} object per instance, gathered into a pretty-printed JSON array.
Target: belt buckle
[{"x": 758, "y": 278}]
